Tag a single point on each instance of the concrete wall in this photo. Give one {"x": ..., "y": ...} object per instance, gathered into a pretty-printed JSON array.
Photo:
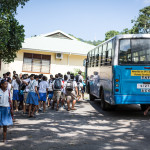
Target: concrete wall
[{"x": 68, "y": 63}]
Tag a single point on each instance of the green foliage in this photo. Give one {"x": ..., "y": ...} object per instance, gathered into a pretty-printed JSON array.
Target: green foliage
[
  {"x": 125, "y": 31},
  {"x": 75, "y": 72},
  {"x": 110, "y": 34},
  {"x": 12, "y": 34},
  {"x": 142, "y": 23},
  {"x": 10, "y": 6},
  {"x": 89, "y": 42}
]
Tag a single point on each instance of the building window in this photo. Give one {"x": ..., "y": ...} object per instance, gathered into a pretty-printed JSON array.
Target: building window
[{"x": 36, "y": 63}]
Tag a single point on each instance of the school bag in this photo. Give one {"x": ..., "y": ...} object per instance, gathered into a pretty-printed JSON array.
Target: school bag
[
  {"x": 69, "y": 85},
  {"x": 22, "y": 87},
  {"x": 57, "y": 84},
  {"x": 77, "y": 78}
]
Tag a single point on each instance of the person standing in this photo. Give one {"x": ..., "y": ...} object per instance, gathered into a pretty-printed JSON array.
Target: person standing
[
  {"x": 68, "y": 75},
  {"x": 15, "y": 85},
  {"x": 43, "y": 89},
  {"x": 33, "y": 95},
  {"x": 50, "y": 90},
  {"x": 71, "y": 92},
  {"x": 57, "y": 86},
  {"x": 64, "y": 90},
  {"x": 5, "y": 110}
]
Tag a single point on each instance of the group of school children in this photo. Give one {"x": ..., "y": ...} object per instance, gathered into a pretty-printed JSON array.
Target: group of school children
[{"x": 31, "y": 92}]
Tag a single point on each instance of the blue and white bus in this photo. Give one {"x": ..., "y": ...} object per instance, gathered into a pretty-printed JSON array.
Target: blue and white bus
[{"x": 118, "y": 71}]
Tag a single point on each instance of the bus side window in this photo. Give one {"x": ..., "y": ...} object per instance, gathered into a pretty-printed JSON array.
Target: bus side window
[
  {"x": 93, "y": 58},
  {"x": 88, "y": 59},
  {"x": 100, "y": 55},
  {"x": 97, "y": 56},
  {"x": 108, "y": 54},
  {"x": 104, "y": 54}
]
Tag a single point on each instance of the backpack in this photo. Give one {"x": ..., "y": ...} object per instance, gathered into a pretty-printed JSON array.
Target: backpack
[
  {"x": 57, "y": 84},
  {"x": 22, "y": 87},
  {"x": 77, "y": 78},
  {"x": 69, "y": 85}
]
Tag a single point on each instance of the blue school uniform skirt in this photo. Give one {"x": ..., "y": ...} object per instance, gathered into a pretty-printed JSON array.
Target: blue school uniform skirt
[
  {"x": 5, "y": 116},
  {"x": 16, "y": 95},
  {"x": 50, "y": 94},
  {"x": 42, "y": 97},
  {"x": 32, "y": 98}
]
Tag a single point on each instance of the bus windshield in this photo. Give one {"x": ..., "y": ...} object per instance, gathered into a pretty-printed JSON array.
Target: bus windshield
[{"x": 134, "y": 51}]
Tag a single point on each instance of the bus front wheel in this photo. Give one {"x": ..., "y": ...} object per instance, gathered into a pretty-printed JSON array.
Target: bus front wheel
[{"x": 104, "y": 104}]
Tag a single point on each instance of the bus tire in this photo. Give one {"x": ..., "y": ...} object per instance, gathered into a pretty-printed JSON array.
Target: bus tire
[
  {"x": 143, "y": 107},
  {"x": 92, "y": 98},
  {"x": 104, "y": 104}
]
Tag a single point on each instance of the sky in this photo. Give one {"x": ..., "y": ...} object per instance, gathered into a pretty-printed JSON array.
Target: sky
[{"x": 86, "y": 19}]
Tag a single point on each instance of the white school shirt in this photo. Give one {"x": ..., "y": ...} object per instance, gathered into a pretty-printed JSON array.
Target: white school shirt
[
  {"x": 27, "y": 87},
  {"x": 9, "y": 87},
  {"x": 64, "y": 88},
  {"x": 80, "y": 78},
  {"x": 43, "y": 86},
  {"x": 74, "y": 85},
  {"x": 50, "y": 83},
  {"x": 32, "y": 85},
  {"x": 15, "y": 85},
  {"x": 4, "y": 98}
]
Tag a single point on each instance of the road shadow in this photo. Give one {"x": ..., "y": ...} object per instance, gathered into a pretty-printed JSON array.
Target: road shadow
[{"x": 86, "y": 128}]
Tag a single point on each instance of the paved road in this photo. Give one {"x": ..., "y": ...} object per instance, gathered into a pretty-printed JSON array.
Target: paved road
[{"x": 87, "y": 128}]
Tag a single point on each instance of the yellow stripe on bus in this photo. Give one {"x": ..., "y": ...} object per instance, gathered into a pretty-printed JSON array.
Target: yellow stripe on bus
[{"x": 140, "y": 72}]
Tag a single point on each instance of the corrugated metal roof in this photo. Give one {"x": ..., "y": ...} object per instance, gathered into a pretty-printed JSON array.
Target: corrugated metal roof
[{"x": 57, "y": 45}]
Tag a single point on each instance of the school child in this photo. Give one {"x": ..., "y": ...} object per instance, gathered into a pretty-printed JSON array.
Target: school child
[
  {"x": 64, "y": 90},
  {"x": 15, "y": 85},
  {"x": 71, "y": 92},
  {"x": 26, "y": 81},
  {"x": 68, "y": 75},
  {"x": 80, "y": 89},
  {"x": 57, "y": 85},
  {"x": 9, "y": 87},
  {"x": 43, "y": 89},
  {"x": 84, "y": 87},
  {"x": 5, "y": 110},
  {"x": 33, "y": 96},
  {"x": 50, "y": 90}
]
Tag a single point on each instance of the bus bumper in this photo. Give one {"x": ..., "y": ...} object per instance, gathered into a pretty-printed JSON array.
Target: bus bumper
[{"x": 132, "y": 99}]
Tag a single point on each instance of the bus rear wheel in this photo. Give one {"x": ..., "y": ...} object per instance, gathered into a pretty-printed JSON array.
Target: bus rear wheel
[
  {"x": 92, "y": 98},
  {"x": 104, "y": 104}
]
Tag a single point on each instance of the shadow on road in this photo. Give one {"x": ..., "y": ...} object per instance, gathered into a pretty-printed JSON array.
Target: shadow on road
[{"x": 87, "y": 128}]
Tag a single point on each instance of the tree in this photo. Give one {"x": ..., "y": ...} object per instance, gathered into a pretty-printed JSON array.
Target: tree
[
  {"x": 125, "y": 31},
  {"x": 110, "y": 34},
  {"x": 12, "y": 34},
  {"x": 142, "y": 23}
]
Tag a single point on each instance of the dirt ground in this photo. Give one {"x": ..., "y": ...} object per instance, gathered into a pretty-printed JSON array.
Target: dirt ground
[{"x": 87, "y": 128}]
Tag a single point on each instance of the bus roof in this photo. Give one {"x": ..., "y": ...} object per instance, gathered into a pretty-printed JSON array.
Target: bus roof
[{"x": 125, "y": 36}]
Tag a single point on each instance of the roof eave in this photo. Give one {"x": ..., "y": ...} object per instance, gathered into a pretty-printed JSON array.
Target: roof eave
[{"x": 50, "y": 51}]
